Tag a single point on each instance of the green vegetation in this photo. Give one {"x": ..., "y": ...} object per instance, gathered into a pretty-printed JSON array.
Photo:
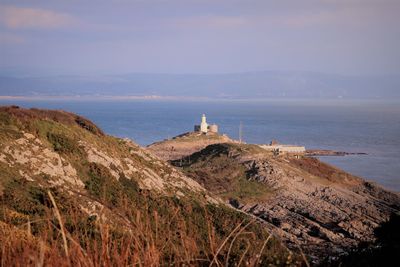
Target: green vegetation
[
  {"x": 62, "y": 143},
  {"x": 8, "y": 128},
  {"x": 190, "y": 137},
  {"x": 248, "y": 191},
  {"x": 24, "y": 197},
  {"x": 217, "y": 170},
  {"x": 108, "y": 190}
]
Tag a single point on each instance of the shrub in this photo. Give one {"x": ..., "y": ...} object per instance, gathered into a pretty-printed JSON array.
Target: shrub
[{"x": 61, "y": 143}]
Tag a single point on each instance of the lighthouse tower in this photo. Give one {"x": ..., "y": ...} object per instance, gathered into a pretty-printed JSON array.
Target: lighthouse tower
[{"x": 203, "y": 125}]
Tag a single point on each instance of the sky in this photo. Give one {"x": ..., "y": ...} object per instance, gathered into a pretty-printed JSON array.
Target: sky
[{"x": 352, "y": 37}]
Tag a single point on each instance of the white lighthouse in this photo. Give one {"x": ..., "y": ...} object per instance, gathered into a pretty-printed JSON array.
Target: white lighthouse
[
  {"x": 204, "y": 127},
  {"x": 203, "y": 124}
]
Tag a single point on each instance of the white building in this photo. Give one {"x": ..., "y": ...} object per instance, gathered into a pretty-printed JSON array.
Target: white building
[
  {"x": 204, "y": 127},
  {"x": 280, "y": 148}
]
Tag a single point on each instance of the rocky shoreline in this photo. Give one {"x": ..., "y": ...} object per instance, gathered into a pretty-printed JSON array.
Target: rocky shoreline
[{"x": 327, "y": 152}]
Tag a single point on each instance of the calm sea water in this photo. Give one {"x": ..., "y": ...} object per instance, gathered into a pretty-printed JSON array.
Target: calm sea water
[{"x": 372, "y": 127}]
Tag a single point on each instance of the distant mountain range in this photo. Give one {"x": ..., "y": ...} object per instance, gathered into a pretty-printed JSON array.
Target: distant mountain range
[{"x": 266, "y": 84}]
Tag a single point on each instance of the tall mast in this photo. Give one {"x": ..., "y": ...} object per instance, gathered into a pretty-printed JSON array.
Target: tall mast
[{"x": 240, "y": 131}]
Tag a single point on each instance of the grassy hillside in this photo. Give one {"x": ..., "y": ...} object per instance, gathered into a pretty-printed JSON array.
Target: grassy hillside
[
  {"x": 72, "y": 196},
  {"x": 217, "y": 168}
]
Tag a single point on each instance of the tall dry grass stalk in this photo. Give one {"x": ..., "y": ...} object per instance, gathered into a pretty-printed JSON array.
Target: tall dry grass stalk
[
  {"x": 58, "y": 215},
  {"x": 234, "y": 239},
  {"x": 223, "y": 244}
]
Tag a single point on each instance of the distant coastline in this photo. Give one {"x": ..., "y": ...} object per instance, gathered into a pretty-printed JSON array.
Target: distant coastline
[
  {"x": 91, "y": 97},
  {"x": 307, "y": 100}
]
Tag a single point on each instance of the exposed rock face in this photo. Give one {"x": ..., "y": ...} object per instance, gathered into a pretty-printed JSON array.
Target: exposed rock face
[
  {"x": 32, "y": 158},
  {"x": 186, "y": 144},
  {"x": 314, "y": 205},
  {"x": 61, "y": 145}
]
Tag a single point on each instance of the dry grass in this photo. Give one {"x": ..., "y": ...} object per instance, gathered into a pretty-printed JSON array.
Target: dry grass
[
  {"x": 67, "y": 118},
  {"x": 323, "y": 170},
  {"x": 150, "y": 240}
]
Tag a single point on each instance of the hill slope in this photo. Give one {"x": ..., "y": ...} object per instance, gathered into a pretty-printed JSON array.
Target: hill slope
[
  {"x": 308, "y": 203},
  {"x": 71, "y": 195}
]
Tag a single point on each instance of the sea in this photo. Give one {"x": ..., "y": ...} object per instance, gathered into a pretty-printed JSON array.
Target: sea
[{"x": 357, "y": 126}]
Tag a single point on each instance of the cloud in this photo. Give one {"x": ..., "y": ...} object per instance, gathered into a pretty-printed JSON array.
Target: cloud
[
  {"x": 7, "y": 38},
  {"x": 211, "y": 21},
  {"x": 354, "y": 14},
  {"x": 33, "y": 18}
]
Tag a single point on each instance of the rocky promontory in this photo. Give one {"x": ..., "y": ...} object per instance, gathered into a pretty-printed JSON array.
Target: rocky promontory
[{"x": 327, "y": 152}]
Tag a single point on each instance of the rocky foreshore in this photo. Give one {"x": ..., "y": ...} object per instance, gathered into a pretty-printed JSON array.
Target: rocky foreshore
[{"x": 327, "y": 152}]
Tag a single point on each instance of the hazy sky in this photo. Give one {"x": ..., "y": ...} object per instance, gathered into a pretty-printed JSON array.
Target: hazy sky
[{"x": 200, "y": 36}]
